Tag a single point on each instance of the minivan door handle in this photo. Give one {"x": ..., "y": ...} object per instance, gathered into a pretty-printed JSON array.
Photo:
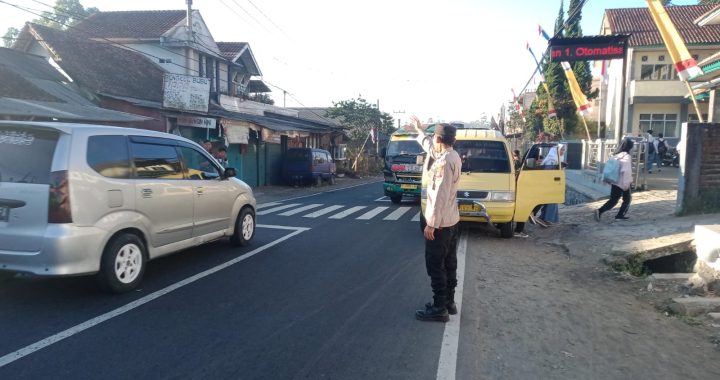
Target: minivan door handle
[
  {"x": 557, "y": 179},
  {"x": 147, "y": 193},
  {"x": 200, "y": 191}
]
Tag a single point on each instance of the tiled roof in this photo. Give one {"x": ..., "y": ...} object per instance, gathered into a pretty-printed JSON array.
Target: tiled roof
[
  {"x": 130, "y": 24},
  {"x": 230, "y": 50},
  {"x": 637, "y": 21},
  {"x": 13, "y": 85},
  {"x": 16, "y": 70},
  {"x": 103, "y": 67}
]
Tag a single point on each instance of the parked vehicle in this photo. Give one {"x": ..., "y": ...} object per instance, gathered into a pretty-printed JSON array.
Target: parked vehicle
[
  {"x": 84, "y": 199},
  {"x": 308, "y": 165},
  {"x": 671, "y": 157},
  {"x": 491, "y": 190}
]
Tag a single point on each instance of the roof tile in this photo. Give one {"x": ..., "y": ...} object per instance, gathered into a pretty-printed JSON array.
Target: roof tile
[
  {"x": 230, "y": 50},
  {"x": 638, "y": 23},
  {"x": 130, "y": 24}
]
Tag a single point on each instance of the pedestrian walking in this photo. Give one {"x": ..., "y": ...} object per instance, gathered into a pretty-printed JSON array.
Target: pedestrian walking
[
  {"x": 652, "y": 147},
  {"x": 622, "y": 187},
  {"x": 442, "y": 217}
]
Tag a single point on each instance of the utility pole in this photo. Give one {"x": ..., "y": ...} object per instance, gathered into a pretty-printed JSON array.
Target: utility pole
[
  {"x": 398, "y": 119},
  {"x": 284, "y": 97}
]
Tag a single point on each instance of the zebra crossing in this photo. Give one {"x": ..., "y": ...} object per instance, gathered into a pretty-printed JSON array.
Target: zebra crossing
[{"x": 317, "y": 210}]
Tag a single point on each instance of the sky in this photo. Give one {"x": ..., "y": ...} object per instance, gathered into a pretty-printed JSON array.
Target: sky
[{"x": 451, "y": 60}]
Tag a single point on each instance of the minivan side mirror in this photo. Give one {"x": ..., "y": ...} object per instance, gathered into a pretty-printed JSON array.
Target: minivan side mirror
[{"x": 229, "y": 173}]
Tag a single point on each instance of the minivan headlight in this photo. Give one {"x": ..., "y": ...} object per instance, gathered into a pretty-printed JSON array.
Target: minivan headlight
[{"x": 503, "y": 196}]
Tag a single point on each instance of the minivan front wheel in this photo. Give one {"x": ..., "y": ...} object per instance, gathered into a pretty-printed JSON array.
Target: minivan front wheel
[
  {"x": 244, "y": 228},
  {"x": 122, "y": 264},
  {"x": 506, "y": 230}
]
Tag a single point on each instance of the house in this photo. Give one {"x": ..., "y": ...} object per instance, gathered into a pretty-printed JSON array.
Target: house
[
  {"x": 654, "y": 98},
  {"x": 706, "y": 85},
  {"x": 167, "y": 66},
  {"x": 32, "y": 89}
]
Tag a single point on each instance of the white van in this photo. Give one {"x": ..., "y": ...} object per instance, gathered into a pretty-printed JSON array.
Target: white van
[{"x": 87, "y": 199}]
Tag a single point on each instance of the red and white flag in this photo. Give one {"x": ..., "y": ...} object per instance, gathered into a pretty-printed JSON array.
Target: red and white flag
[{"x": 373, "y": 135}]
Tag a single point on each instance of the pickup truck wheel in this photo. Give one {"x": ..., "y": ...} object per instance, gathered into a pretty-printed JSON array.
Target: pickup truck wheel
[
  {"x": 244, "y": 228},
  {"x": 506, "y": 230},
  {"x": 122, "y": 264},
  {"x": 396, "y": 199},
  {"x": 318, "y": 181},
  {"x": 331, "y": 180}
]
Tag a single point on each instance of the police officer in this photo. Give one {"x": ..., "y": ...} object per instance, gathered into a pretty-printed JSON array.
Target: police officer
[{"x": 442, "y": 217}]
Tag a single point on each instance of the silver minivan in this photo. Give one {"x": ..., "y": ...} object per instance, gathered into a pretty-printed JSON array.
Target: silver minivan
[{"x": 86, "y": 199}]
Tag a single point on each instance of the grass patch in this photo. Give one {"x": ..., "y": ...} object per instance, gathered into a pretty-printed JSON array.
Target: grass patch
[{"x": 634, "y": 266}]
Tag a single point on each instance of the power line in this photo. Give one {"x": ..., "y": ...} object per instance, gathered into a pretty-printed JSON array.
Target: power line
[
  {"x": 269, "y": 19},
  {"x": 251, "y": 16}
]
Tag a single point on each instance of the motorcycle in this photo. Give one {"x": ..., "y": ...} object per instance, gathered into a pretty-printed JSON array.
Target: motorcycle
[{"x": 671, "y": 158}]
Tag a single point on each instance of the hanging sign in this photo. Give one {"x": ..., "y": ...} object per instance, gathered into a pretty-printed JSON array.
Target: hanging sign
[
  {"x": 197, "y": 122},
  {"x": 592, "y": 48}
]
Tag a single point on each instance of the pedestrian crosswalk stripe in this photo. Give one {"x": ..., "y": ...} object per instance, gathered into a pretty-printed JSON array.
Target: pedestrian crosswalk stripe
[
  {"x": 279, "y": 208},
  {"x": 265, "y": 205},
  {"x": 395, "y": 215},
  {"x": 372, "y": 213},
  {"x": 322, "y": 212},
  {"x": 301, "y": 209},
  {"x": 416, "y": 218},
  {"x": 347, "y": 212}
]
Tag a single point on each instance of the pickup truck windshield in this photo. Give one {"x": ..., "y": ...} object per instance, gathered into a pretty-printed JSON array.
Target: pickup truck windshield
[{"x": 483, "y": 156}]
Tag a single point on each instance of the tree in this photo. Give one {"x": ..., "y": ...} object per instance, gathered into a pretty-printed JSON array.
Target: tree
[
  {"x": 10, "y": 36},
  {"x": 65, "y": 13},
  {"x": 361, "y": 117}
]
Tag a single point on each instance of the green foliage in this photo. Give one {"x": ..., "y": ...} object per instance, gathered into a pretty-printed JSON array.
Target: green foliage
[
  {"x": 65, "y": 13},
  {"x": 10, "y": 36},
  {"x": 262, "y": 98},
  {"x": 361, "y": 117}
]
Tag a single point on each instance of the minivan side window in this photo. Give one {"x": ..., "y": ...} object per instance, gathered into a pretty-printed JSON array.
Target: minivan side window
[
  {"x": 318, "y": 158},
  {"x": 108, "y": 155},
  {"x": 197, "y": 165},
  {"x": 156, "y": 161}
]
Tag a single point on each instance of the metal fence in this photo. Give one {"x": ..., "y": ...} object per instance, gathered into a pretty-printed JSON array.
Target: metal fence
[{"x": 596, "y": 153}]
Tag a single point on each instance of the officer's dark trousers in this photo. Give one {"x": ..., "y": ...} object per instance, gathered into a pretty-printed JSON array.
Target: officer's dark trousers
[{"x": 441, "y": 264}]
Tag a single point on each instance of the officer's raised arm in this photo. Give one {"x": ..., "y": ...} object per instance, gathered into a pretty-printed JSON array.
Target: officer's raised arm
[{"x": 423, "y": 139}]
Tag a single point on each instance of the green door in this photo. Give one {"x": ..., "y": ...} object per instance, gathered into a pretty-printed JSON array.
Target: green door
[
  {"x": 273, "y": 166},
  {"x": 249, "y": 163}
]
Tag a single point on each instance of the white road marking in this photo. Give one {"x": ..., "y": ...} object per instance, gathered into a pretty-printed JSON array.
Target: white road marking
[
  {"x": 322, "y": 212},
  {"x": 279, "y": 208},
  {"x": 265, "y": 205},
  {"x": 39, "y": 345},
  {"x": 416, "y": 218},
  {"x": 372, "y": 213},
  {"x": 447, "y": 365},
  {"x": 395, "y": 215},
  {"x": 347, "y": 212},
  {"x": 383, "y": 199},
  {"x": 301, "y": 209}
]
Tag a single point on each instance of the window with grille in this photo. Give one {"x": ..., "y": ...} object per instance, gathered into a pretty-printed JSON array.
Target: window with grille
[{"x": 657, "y": 72}]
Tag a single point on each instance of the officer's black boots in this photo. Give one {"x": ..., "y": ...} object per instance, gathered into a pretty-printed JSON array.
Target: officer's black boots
[
  {"x": 433, "y": 314},
  {"x": 450, "y": 303}
]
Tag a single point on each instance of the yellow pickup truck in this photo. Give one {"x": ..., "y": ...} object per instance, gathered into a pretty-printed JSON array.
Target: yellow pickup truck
[{"x": 491, "y": 189}]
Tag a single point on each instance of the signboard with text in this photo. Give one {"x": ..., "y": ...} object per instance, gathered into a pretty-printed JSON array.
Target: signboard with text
[
  {"x": 197, "y": 122},
  {"x": 593, "y": 48},
  {"x": 186, "y": 93}
]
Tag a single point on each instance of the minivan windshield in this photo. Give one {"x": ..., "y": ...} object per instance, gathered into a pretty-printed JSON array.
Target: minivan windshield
[
  {"x": 26, "y": 154},
  {"x": 483, "y": 156},
  {"x": 396, "y": 148}
]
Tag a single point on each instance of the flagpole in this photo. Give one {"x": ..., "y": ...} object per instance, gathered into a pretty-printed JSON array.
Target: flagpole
[
  {"x": 586, "y": 127},
  {"x": 692, "y": 96}
]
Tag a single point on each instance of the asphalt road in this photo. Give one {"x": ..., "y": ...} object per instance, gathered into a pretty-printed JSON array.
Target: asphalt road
[{"x": 335, "y": 299}]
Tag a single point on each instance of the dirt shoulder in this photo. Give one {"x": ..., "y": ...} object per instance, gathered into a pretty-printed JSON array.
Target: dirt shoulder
[{"x": 531, "y": 310}]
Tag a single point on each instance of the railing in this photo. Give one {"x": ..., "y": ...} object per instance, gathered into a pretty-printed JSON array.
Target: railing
[{"x": 596, "y": 153}]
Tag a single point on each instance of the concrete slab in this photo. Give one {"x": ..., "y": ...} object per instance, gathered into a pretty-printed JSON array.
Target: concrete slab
[
  {"x": 708, "y": 245},
  {"x": 715, "y": 316},
  {"x": 694, "y": 306}
]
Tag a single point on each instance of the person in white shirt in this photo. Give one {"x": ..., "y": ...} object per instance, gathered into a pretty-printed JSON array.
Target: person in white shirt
[
  {"x": 622, "y": 187},
  {"x": 442, "y": 217}
]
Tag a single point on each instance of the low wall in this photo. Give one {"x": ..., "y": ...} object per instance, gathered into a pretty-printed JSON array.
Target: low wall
[{"x": 699, "y": 187}]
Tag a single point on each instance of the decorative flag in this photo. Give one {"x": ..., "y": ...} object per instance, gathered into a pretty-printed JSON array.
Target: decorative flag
[
  {"x": 684, "y": 62},
  {"x": 581, "y": 102},
  {"x": 373, "y": 135},
  {"x": 542, "y": 33}
]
